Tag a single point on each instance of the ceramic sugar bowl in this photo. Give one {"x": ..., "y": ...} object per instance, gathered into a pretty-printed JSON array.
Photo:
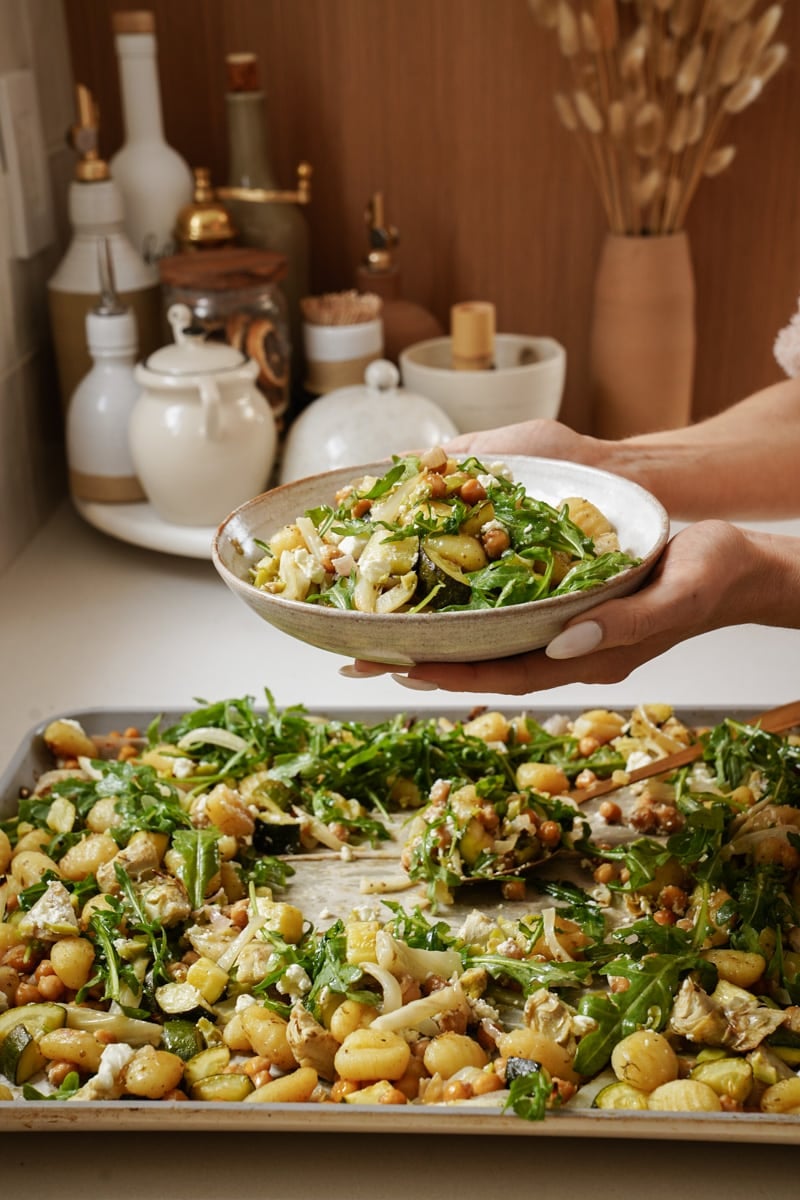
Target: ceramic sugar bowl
[
  {"x": 202, "y": 436},
  {"x": 360, "y": 424}
]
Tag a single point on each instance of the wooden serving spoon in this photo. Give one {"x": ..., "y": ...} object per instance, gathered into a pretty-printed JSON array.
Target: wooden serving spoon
[{"x": 775, "y": 720}]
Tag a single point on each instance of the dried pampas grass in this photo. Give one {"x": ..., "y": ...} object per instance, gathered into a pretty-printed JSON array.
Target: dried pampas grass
[{"x": 652, "y": 87}]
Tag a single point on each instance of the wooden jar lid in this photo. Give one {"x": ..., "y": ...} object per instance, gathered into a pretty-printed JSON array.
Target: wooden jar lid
[{"x": 472, "y": 330}]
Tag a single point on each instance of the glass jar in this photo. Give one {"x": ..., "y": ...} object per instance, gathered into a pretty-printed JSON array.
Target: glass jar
[{"x": 235, "y": 296}]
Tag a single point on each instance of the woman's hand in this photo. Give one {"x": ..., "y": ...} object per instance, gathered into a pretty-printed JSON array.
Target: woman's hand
[
  {"x": 540, "y": 438},
  {"x": 711, "y": 575}
]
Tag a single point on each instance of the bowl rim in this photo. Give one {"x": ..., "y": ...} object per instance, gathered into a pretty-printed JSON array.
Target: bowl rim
[
  {"x": 555, "y": 354},
  {"x": 399, "y": 620}
]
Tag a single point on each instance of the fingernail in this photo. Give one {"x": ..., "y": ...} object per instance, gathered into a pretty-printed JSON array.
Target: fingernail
[
  {"x": 416, "y": 685},
  {"x": 358, "y": 671},
  {"x": 577, "y": 640}
]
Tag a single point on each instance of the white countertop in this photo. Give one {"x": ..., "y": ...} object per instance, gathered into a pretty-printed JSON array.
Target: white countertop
[{"x": 89, "y": 622}]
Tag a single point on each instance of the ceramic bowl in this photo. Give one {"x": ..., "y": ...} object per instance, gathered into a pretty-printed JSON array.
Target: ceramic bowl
[
  {"x": 404, "y": 639},
  {"x": 527, "y": 382}
]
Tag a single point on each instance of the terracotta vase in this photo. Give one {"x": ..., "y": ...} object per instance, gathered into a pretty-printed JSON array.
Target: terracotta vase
[{"x": 643, "y": 335}]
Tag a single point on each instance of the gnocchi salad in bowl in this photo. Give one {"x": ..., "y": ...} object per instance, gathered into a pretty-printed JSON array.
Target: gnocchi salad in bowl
[{"x": 429, "y": 557}]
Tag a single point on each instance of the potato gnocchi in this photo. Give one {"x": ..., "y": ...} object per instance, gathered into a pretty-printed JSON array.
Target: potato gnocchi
[
  {"x": 437, "y": 535},
  {"x": 162, "y": 947}
]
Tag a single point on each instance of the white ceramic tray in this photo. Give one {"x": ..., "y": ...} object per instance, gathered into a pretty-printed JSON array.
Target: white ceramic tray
[
  {"x": 310, "y": 885},
  {"x": 140, "y": 525}
]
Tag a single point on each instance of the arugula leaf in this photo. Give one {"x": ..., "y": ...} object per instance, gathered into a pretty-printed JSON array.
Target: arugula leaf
[
  {"x": 529, "y": 1094},
  {"x": 533, "y": 973},
  {"x": 65, "y": 1091},
  {"x": 417, "y": 931},
  {"x": 331, "y": 972},
  {"x": 645, "y": 1004},
  {"x": 198, "y": 851}
]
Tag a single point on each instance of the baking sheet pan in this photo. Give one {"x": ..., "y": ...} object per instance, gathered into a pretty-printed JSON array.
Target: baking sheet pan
[{"x": 311, "y": 890}]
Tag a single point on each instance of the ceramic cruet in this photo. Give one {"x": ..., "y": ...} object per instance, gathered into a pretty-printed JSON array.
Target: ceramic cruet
[{"x": 202, "y": 435}]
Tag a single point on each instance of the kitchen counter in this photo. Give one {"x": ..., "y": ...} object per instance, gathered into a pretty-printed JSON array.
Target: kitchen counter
[{"x": 88, "y": 622}]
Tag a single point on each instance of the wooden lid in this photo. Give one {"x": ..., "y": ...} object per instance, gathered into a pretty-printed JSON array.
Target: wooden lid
[
  {"x": 242, "y": 72},
  {"x": 134, "y": 21},
  {"x": 225, "y": 270}
]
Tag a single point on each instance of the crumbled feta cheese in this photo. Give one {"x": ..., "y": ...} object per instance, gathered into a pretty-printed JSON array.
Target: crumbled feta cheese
[
  {"x": 352, "y": 545},
  {"x": 52, "y": 916},
  {"x": 182, "y": 768},
  {"x": 344, "y": 564},
  {"x": 244, "y": 1001},
  {"x": 294, "y": 983},
  {"x": 636, "y": 759},
  {"x": 106, "y": 1083},
  {"x": 308, "y": 566}
]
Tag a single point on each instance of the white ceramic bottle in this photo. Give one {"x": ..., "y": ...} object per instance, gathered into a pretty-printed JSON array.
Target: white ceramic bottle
[
  {"x": 100, "y": 464},
  {"x": 154, "y": 179},
  {"x": 96, "y": 214}
]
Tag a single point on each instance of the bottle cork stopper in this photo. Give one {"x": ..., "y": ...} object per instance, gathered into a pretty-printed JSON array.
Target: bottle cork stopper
[
  {"x": 242, "y": 72},
  {"x": 472, "y": 330},
  {"x": 135, "y": 21}
]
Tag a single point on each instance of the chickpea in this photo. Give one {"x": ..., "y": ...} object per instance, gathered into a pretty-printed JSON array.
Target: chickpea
[
  {"x": 611, "y": 812},
  {"x": 27, "y": 993},
  {"x": 472, "y": 491},
  {"x": 495, "y": 541},
  {"x": 342, "y": 1088},
  {"x": 550, "y": 833}
]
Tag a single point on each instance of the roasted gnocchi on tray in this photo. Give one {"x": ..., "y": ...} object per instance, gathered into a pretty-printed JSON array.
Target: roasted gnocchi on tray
[{"x": 247, "y": 904}]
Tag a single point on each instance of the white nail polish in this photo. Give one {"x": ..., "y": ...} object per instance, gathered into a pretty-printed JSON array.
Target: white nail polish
[
  {"x": 575, "y": 641},
  {"x": 351, "y": 671},
  {"x": 416, "y": 685}
]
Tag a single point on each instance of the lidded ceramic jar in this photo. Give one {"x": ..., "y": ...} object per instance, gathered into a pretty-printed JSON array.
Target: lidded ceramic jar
[
  {"x": 361, "y": 424},
  {"x": 202, "y": 435}
]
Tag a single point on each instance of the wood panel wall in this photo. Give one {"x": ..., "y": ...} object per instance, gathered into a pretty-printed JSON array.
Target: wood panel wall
[{"x": 446, "y": 106}]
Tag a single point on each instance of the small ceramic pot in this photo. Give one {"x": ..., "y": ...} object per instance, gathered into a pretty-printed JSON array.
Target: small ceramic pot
[
  {"x": 202, "y": 436},
  {"x": 527, "y": 381}
]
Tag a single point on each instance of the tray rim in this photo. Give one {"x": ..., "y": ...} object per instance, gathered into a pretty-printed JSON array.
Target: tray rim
[{"x": 132, "y": 1116}]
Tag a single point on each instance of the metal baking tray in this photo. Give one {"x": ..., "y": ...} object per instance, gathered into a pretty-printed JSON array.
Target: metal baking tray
[{"x": 327, "y": 884}]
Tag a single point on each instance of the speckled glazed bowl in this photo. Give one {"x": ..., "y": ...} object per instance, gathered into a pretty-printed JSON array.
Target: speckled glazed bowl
[{"x": 403, "y": 639}]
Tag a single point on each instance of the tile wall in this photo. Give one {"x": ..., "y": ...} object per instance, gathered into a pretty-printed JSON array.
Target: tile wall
[{"x": 32, "y": 477}]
